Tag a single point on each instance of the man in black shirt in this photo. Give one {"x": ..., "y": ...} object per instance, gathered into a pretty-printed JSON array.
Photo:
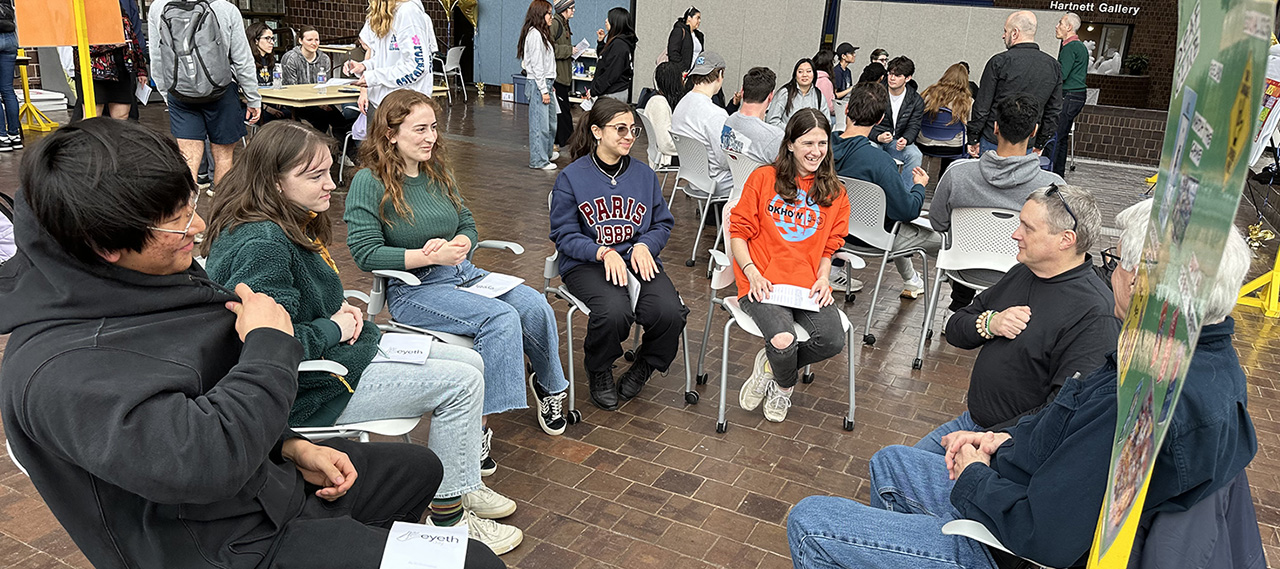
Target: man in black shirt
[
  {"x": 1022, "y": 68},
  {"x": 1048, "y": 319}
]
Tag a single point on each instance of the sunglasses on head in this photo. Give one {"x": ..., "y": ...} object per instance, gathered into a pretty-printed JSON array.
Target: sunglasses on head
[{"x": 1054, "y": 190}]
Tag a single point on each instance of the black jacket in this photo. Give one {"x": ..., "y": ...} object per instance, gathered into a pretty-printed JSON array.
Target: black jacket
[
  {"x": 614, "y": 68},
  {"x": 1022, "y": 68},
  {"x": 150, "y": 430},
  {"x": 8, "y": 20},
  {"x": 680, "y": 45},
  {"x": 912, "y": 111}
]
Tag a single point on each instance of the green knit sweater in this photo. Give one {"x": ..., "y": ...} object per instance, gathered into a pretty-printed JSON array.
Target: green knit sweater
[
  {"x": 380, "y": 244},
  {"x": 260, "y": 255},
  {"x": 1074, "y": 60}
]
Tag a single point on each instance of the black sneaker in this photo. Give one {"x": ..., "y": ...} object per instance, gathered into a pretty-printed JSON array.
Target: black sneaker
[
  {"x": 487, "y": 464},
  {"x": 631, "y": 382},
  {"x": 5, "y": 144},
  {"x": 15, "y": 141},
  {"x": 550, "y": 407},
  {"x": 603, "y": 391}
]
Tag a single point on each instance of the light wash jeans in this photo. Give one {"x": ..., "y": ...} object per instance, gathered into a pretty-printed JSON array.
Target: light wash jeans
[
  {"x": 901, "y": 529},
  {"x": 542, "y": 125},
  {"x": 910, "y": 156},
  {"x": 500, "y": 327},
  {"x": 932, "y": 442},
  {"x": 9, "y": 98},
  {"x": 450, "y": 388}
]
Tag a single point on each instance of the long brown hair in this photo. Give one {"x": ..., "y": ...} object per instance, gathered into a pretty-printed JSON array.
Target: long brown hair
[
  {"x": 583, "y": 141},
  {"x": 535, "y": 20},
  {"x": 826, "y": 186},
  {"x": 952, "y": 92},
  {"x": 384, "y": 160},
  {"x": 250, "y": 191},
  {"x": 381, "y": 14}
]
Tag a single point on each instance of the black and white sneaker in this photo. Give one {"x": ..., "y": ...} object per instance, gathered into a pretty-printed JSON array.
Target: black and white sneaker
[
  {"x": 15, "y": 141},
  {"x": 5, "y": 145},
  {"x": 487, "y": 464},
  {"x": 550, "y": 407}
]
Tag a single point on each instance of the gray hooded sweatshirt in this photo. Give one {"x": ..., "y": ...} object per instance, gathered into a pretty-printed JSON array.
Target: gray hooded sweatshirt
[{"x": 989, "y": 181}]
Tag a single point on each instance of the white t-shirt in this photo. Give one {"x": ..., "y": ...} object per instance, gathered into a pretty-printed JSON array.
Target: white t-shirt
[
  {"x": 697, "y": 50},
  {"x": 895, "y": 101},
  {"x": 700, "y": 119},
  {"x": 757, "y": 139}
]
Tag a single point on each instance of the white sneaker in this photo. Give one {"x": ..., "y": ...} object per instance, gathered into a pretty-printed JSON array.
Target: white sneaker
[
  {"x": 777, "y": 403},
  {"x": 555, "y": 155},
  {"x": 549, "y": 166},
  {"x": 913, "y": 288},
  {"x": 500, "y": 538},
  {"x": 839, "y": 282},
  {"x": 946, "y": 317},
  {"x": 488, "y": 504},
  {"x": 754, "y": 390}
]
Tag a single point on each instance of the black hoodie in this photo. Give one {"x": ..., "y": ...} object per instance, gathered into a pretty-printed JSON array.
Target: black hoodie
[
  {"x": 680, "y": 45},
  {"x": 151, "y": 431},
  {"x": 614, "y": 69}
]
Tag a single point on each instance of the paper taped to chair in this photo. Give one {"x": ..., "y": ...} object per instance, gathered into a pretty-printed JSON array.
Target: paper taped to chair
[
  {"x": 404, "y": 348},
  {"x": 420, "y": 546},
  {"x": 493, "y": 285},
  {"x": 792, "y": 296}
]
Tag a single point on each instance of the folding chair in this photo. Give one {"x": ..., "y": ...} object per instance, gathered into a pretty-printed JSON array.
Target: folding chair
[
  {"x": 386, "y": 427},
  {"x": 866, "y": 222},
  {"x": 695, "y": 170},
  {"x": 453, "y": 66},
  {"x": 978, "y": 241},
  {"x": 740, "y": 167},
  {"x": 658, "y": 161},
  {"x": 938, "y": 129}
]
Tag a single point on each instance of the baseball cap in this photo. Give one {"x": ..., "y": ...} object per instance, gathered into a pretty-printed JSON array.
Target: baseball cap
[
  {"x": 846, "y": 47},
  {"x": 707, "y": 62}
]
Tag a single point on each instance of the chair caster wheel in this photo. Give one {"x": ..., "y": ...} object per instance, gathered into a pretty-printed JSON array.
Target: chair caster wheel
[
  {"x": 919, "y": 363},
  {"x": 722, "y": 427},
  {"x": 848, "y": 424},
  {"x": 807, "y": 378},
  {"x": 701, "y": 379},
  {"x": 688, "y": 263},
  {"x": 629, "y": 355},
  {"x": 691, "y": 397},
  {"x": 850, "y": 298},
  {"x": 869, "y": 339},
  {"x": 928, "y": 335},
  {"x": 573, "y": 417}
]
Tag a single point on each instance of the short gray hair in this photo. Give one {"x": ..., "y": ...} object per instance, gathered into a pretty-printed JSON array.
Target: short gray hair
[
  {"x": 1088, "y": 220},
  {"x": 1024, "y": 21},
  {"x": 1234, "y": 264},
  {"x": 1073, "y": 20}
]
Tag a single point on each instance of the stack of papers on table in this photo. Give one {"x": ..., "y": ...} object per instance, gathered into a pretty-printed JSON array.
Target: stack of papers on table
[{"x": 335, "y": 82}]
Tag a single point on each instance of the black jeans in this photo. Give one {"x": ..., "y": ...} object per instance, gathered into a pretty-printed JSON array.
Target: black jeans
[
  {"x": 658, "y": 309},
  {"x": 1072, "y": 104},
  {"x": 826, "y": 336},
  {"x": 564, "y": 119},
  {"x": 395, "y": 483}
]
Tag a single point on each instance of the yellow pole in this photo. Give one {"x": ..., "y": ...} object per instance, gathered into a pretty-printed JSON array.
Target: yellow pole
[
  {"x": 1267, "y": 288},
  {"x": 86, "y": 70},
  {"x": 32, "y": 118}
]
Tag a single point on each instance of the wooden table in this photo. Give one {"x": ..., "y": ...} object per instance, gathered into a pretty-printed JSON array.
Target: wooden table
[{"x": 306, "y": 95}]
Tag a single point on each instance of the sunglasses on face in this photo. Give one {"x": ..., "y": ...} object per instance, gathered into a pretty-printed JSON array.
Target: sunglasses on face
[{"x": 623, "y": 129}]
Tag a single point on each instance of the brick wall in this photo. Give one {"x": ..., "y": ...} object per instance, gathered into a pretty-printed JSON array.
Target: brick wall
[
  {"x": 1116, "y": 134},
  {"x": 344, "y": 18},
  {"x": 1132, "y": 91}
]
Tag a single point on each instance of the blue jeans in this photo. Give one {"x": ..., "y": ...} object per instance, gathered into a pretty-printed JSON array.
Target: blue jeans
[
  {"x": 1072, "y": 104},
  {"x": 932, "y": 442},
  {"x": 521, "y": 317},
  {"x": 449, "y": 388},
  {"x": 542, "y": 125},
  {"x": 8, "y": 98},
  {"x": 910, "y": 157},
  {"x": 902, "y": 528}
]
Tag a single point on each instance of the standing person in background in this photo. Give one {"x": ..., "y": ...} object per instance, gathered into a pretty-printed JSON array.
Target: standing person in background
[
  {"x": 698, "y": 118},
  {"x": 1074, "y": 59},
  {"x": 399, "y": 34},
  {"x": 565, "y": 51},
  {"x": 843, "y": 72},
  {"x": 880, "y": 55},
  {"x": 615, "y": 66},
  {"x": 904, "y": 108},
  {"x": 262, "y": 42},
  {"x": 11, "y": 135},
  {"x": 824, "y": 66},
  {"x": 668, "y": 77},
  {"x": 539, "y": 62},
  {"x": 117, "y": 69},
  {"x": 1021, "y": 68},
  {"x": 796, "y": 94},
  {"x": 686, "y": 40}
]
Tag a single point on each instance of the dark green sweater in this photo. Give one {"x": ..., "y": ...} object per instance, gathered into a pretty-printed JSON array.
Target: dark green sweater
[
  {"x": 1074, "y": 59},
  {"x": 260, "y": 255},
  {"x": 380, "y": 244}
]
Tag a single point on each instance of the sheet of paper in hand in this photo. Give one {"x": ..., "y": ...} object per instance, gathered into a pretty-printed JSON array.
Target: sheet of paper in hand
[
  {"x": 792, "y": 296},
  {"x": 404, "y": 348},
  {"x": 419, "y": 546},
  {"x": 492, "y": 285}
]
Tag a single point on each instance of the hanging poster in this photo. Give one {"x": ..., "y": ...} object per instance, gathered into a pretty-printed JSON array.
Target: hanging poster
[{"x": 48, "y": 23}]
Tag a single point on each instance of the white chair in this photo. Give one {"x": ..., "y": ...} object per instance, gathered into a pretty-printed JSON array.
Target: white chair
[
  {"x": 979, "y": 239},
  {"x": 659, "y": 161},
  {"x": 342, "y": 165},
  {"x": 9, "y": 449},
  {"x": 386, "y": 427},
  {"x": 740, "y": 167},
  {"x": 866, "y": 222},
  {"x": 453, "y": 66},
  {"x": 695, "y": 170},
  {"x": 979, "y": 533},
  {"x": 841, "y": 116}
]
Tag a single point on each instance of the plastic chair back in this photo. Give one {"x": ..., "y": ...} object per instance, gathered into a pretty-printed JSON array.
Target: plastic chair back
[
  {"x": 1046, "y": 153},
  {"x": 938, "y": 129},
  {"x": 841, "y": 116},
  {"x": 866, "y": 213},
  {"x": 655, "y": 155},
  {"x": 980, "y": 238},
  {"x": 695, "y": 167},
  {"x": 740, "y": 167},
  {"x": 453, "y": 59}
]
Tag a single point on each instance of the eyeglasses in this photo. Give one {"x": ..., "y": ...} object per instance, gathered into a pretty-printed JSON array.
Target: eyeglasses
[
  {"x": 623, "y": 129},
  {"x": 271, "y": 39},
  {"x": 195, "y": 199},
  {"x": 1053, "y": 190},
  {"x": 1110, "y": 260},
  {"x": 883, "y": 59}
]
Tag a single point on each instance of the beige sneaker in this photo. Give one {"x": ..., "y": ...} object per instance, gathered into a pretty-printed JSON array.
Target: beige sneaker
[
  {"x": 486, "y": 503},
  {"x": 500, "y": 538},
  {"x": 913, "y": 288},
  {"x": 776, "y": 403},
  {"x": 754, "y": 390}
]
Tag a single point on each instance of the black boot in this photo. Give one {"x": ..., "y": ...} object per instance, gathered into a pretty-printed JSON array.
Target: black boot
[
  {"x": 631, "y": 382},
  {"x": 603, "y": 392}
]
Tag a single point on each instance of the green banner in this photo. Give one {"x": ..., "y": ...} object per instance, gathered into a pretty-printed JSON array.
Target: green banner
[{"x": 1218, "y": 79}]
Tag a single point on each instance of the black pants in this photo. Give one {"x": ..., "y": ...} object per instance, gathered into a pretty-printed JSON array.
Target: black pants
[
  {"x": 564, "y": 119},
  {"x": 395, "y": 483},
  {"x": 826, "y": 336},
  {"x": 658, "y": 309},
  {"x": 1072, "y": 104},
  {"x": 323, "y": 119}
]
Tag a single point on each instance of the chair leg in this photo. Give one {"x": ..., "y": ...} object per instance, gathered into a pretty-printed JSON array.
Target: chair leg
[
  {"x": 568, "y": 326},
  {"x": 868, "y": 338},
  {"x": 848, "y": 348},
  {"x": 342, "y": 166},
  {"x": 672, "y": 200},
  {"x": 463, "y": 85},
  {"x": 930, "y": 300},
  {"x": 697, "y": 237},
  {"x": 690, "y": 396},
  {"x": 706, "y": 335},
  {"x": 721, "y": 425}
]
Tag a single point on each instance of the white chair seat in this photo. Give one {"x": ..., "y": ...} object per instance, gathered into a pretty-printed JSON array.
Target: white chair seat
[
  {"x": 384, "y": 427},
  {"x": 749, "y": 326},
  {"x": 564, "y": 294}
]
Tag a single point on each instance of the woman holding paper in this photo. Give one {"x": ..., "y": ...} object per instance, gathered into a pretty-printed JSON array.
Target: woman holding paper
[
  {"x": 405, "y": 212},
  {"x": 792, "y": 217},
  {"x": 609, "y": 223},
  {"x": 268, "y": 229}
]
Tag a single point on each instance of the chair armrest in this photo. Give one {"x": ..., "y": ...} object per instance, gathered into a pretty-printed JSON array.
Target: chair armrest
[
  {"x": 404, "y": 276},
  {"x": 854, "y": 261},
  {"x": 358, "y": 295},
  {"x": 975, "y": 531},
  {"x": 551, "y": 267},
  {"x": 495, "y": 244},
  {"x": 718, "y": 257},
  {"x": 323, "y": 365}
]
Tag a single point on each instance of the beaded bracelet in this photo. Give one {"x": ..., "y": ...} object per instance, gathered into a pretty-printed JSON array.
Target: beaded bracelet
[{"x": 983, "y": 325}]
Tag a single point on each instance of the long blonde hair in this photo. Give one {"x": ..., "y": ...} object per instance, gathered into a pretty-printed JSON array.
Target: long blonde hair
[
  {"x": 384, "y": 160},
  {"x": 952, "y": 92},
  {"x": 381, "y": 14}
]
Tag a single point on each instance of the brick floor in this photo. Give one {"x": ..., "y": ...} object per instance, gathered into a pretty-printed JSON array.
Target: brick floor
[{"x": 653, "y": 485}]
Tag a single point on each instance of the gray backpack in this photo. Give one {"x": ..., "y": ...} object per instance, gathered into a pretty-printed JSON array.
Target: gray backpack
[{"x": 196, "y": 59}]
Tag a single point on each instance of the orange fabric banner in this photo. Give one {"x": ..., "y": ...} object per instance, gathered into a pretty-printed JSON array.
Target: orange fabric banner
[{"x": 43, "y": 23}]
